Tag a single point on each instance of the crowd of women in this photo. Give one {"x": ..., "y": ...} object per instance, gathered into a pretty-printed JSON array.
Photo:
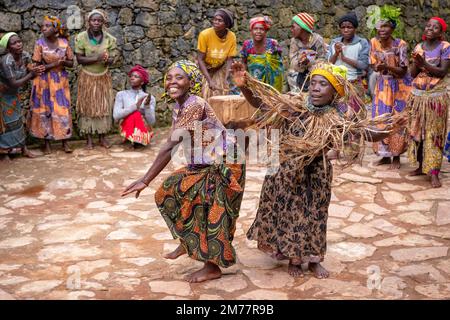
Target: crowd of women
[{"x": 327, "y": 86}]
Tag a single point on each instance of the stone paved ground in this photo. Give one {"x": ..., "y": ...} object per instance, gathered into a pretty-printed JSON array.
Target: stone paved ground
[{"x": 65, "y": 233}]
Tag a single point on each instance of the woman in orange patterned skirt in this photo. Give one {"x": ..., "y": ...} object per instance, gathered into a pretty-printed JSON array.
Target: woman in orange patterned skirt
[
  {"x": 199, "y": 202},
  {"x": 389, "y": 57},
  {"x": 50, "y": 113}
]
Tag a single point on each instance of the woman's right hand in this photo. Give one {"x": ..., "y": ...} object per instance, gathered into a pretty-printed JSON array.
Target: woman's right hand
[
  {"x": 239, "y": 74},
  {"x": 136, "y": 186}
]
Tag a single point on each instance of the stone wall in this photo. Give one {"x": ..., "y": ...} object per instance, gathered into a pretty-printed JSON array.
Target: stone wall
[{"x": 154, "y": 32}]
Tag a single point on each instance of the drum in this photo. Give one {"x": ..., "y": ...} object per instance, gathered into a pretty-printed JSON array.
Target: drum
[{"x": 231, "y": 108}]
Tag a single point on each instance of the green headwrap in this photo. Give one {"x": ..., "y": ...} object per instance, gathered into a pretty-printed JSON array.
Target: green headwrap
[
  {"x": 193, "y": 73},
  {"x": 4, "y": 40}
]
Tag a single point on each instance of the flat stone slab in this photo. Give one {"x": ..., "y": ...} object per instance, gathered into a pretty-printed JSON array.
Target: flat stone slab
[
  {"x": 16, "y": 242},
  {"x": 328, "y": 287},
  {"x": 227, "y": 283},
  {"x": 386, "y": 226},
  {"x": 37, "y": 287},
  {"x": 432, "y": 194},
  {"x": 23, "y": 202},
  {"x": 375, "y": 208},
  {"x": 359, "y": 230},
  {"x": 394, "y": 197},
  {"x": 339, "y": 211},
  {"x": 352, "y": 251},
  {"x": 443, "y": 213},
  {"x": 358, "y": 178},
  {"x": 72, "y": 234},
  {"x": 123, "y": 234},
  {"x": 415, "y": 218},
  {"x": 68, "y": 252},
  {"x": 269, "y": 279},
  {"x": 180, "y": 288},
  {"x": 410, "y": 240},
  {"x": 418, "y": 254}
]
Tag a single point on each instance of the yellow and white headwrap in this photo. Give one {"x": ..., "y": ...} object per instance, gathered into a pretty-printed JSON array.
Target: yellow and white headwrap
[
  {"x": 336, "y": 75},
  {"x": 192, "y": 71}
]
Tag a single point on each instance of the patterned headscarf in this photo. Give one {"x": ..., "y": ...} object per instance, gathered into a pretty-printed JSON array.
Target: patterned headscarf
[
  {"x": 336, "y": 75},
  {"x": 193, "y": 73},
  {"x": 143, "y": 74},
  {"x": 58, "y": 25},
  {"x": 5, "y": 39},
  {"x": 265, "y": 21}
]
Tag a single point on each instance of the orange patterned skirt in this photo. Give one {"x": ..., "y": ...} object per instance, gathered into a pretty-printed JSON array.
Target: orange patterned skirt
[{"x": 200, "y": 204}]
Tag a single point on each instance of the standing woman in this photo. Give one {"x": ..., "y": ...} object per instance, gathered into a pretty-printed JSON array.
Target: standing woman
[
  {"x": 50, "y": 115},
  {"x": 306, "y": 47},
  {"x": 95, "y": 50},
  {"x": 263, "y": 56},
  {"x": 291, "y": 220},
  {"x": 389, "y": 58},
  {"x": 15, "y": 71},
  {"x": 216, "y": 48},
  {"x": 430, "y": 100},
  {"x": 199, "y": 202}
]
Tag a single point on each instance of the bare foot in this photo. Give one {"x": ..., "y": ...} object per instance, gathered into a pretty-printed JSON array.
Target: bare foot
[
  {"x": 89, "y": 143},
  {"x": 435, "y": 182},
  {"x": 66, "y": 147},
  {"x": 278, "y": 256},
  {"x": 295, "y": 270},
  {"x": 176, "y": 253},
  {"x": 319, "y": 271},
  {"x": 417, "y": 172},
  {"x": 384, "y": 160},
  {"x": 27, "y": 153},
  {"x": 4, "y": 158},
  {"x": 104, "y": 143},
  {"x": 395, "y": 163},
  {"x": 209, "y": 271},
  {"x": 47, "y": 147}
]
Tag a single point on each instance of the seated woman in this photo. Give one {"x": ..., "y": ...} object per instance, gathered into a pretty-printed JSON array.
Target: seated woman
[
  {"x": 132, "y": 106},
  {"x": 291, "y": 220},
  {"x": 200, "y": 202},
  {"x": 262, "y": 55}
]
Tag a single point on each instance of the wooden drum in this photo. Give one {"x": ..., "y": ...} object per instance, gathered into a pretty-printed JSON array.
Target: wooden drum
[{"x": 231, "y": 108}]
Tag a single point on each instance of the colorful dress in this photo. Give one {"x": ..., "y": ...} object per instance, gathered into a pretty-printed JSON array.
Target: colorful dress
[
  {"x": 447, "y": 147},
  {"x": 390, "y": 93},
  {"x": 95, "y": 96},
  {"x": 50, "y": 113},
  {"x": 132, "y": 123},
  {"x": 12, "y": 132},
  {"x": 297, "y": 74},
  {"x": 200, "y": 202},
  {"x": 266, "y": 67},
  {"x": 429, "y": 103}
]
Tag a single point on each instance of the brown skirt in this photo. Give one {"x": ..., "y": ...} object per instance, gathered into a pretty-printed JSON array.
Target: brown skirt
[{"x": 95, "y": 95}]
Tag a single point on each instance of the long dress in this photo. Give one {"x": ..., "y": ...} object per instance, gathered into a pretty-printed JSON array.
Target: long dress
[
  {"x": 12, "y": 132},
  {"x": 390, "y": 94},
  {"x": 95, "y": 96},
  {"x": 50, "y": 112},
  {"x": 429, "y": 103},
  {"x": 266, "y": 67},
  {"x": 200, "y": 202},
  {"x": 293, "y": 208}
]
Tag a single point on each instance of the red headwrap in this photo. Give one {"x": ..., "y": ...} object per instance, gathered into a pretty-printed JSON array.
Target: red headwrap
[
  {"x": 141, "y": 71},
  {"x": 265, "y": 21},
  {"x": 443, "y": 26},
  {"x": 441, "y": 22}
]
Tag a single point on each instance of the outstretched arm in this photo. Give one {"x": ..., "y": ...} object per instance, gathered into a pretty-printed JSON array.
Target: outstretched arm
[{"x": 161, "y": 161}]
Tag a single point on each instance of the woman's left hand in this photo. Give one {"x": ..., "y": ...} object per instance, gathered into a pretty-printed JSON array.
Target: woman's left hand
[{"x": 136, "y": 186}]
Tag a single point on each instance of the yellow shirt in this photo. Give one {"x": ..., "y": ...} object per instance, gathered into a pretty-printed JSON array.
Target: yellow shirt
[{"x": 217, "y": 50}]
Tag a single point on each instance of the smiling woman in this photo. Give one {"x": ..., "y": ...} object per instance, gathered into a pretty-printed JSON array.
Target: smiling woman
[{"x": 199, "y": 202}]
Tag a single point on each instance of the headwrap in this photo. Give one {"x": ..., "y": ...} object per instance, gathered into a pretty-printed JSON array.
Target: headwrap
[
  {"x": 5, "y": 39},
  {"x": 377, "y": 16},
  {"x": 305, "y": 21},
  {"x": 193, "y": 73},
  {"x": 441, "y": 22},
  {"x": 143, "y": 74},
  {"x": 336, "y": 75},
  {"x": 58, "y": 25},
  {"x": 350, "y": 17},
  {"x": 228, "y": 17},
  {"x": 265, "y": 21},
  {"x": 97, "y": 11}
]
